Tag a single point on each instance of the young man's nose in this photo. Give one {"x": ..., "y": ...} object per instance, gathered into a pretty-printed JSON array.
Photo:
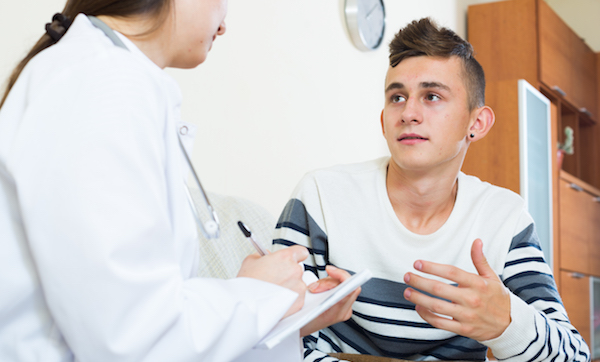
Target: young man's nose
[{"x": 411, "y": 112}]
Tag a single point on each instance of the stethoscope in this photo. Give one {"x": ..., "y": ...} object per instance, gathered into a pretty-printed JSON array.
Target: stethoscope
[{"x": 209, "y": 228}]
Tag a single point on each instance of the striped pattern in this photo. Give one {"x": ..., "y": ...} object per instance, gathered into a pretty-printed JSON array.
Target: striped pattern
[{"x": 385, "y": 324}]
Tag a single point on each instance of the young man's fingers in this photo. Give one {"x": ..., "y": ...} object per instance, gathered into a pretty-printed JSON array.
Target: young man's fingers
[
  {"x": 349, "y": 301},
  {"x": 299, "y": 253},
  {"x": 437, "y": 321},
  {"x": 337, "y": 273},
  {"x": 323, "y": 285},
  {"x": 433, "y": 287},
  {"x": 335, "y": 278},
  {"x": 480, "y": 261},
  {"x": 447, "y": 272},
  {"x": 433, "y": 304}
]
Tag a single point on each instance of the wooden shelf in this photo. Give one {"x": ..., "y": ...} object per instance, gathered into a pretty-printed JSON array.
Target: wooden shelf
[{"x": 584, "y": 185}]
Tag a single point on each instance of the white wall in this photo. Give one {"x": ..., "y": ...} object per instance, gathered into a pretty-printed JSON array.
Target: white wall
[
  {"x": 582, "y": 16},
  {"x": 282, "y": 93}
]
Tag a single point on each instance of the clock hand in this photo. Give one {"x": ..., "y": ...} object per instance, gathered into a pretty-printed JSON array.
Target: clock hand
[{"x": 371, "y": 11}]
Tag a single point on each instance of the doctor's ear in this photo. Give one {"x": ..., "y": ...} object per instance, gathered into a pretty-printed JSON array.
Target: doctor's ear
[
  {"x": 482, "y": 123},
  {"x": 381, "y": 120}
]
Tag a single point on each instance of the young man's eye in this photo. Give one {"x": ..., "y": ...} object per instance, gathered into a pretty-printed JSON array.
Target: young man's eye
[
  {"x": 433, "y": 97},
  {"x": 398, "y": 98}
]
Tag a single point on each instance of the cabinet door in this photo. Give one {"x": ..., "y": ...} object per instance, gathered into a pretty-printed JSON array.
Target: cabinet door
[
  {"x": 567, "y": 64},
  {"x": 535, "y": 162},
  {"x": 595, "y": 238},
  {"x": 556, "y": 43},
  {"x": 575, "y": 293},
  {"x": 504, "y": 36},
  {"x": 574, "y": 228},
  {"x": 584, "y": 78}
]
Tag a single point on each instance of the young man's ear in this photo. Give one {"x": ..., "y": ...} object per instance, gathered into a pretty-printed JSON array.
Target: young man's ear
[
  {"x": 381, "y": 118},
  {"x": 483, "y": 121}
]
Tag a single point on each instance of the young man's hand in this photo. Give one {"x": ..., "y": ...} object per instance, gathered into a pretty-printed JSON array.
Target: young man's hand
[
  {"x": 339, "y": 312},
  {"x": 478, "y": 308}
]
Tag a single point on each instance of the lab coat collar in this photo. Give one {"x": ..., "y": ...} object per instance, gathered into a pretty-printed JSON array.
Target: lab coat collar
[
  {"x": 82, "y": 21},
  {"x": 135, "y": 50},
  {"x": 83, "y": 24}
]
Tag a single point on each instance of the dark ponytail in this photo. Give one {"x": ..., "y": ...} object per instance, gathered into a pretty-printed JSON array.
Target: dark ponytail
[{"x": 156, "y": 9}]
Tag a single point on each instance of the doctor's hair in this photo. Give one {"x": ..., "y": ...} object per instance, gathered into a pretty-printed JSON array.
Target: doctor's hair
[
  {"x": 154, "y": 10},
  {"x": 424, "y": 38}
]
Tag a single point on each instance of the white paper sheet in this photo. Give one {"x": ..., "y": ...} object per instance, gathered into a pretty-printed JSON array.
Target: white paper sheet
[{"x": 314, "y": 305}]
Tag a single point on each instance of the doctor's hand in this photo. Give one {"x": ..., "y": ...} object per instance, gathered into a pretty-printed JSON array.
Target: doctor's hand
[
  {"x": 339, "y": 312},
  {"x": 281, "y": 268},
  {"x": 479, "y": 307}
]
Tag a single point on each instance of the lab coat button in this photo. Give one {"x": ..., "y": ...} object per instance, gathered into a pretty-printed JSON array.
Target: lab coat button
[{"x": 183, "y": 130}]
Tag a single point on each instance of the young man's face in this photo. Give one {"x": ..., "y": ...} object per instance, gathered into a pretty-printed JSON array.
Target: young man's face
[{"x": 426, "y": 117}]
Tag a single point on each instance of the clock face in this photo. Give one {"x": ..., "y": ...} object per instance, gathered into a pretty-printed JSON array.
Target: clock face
[{"x": 366, "y": 22}]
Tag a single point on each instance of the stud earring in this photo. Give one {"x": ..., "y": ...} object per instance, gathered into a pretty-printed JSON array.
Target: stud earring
[{"x": 472, "y": 135}]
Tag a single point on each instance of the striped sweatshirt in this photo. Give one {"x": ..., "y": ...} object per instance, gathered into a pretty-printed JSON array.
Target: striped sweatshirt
[{"x": 345, "y": 218}]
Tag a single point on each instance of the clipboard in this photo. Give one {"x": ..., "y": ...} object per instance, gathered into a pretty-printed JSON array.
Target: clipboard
[{"x": 314, "y": 305}]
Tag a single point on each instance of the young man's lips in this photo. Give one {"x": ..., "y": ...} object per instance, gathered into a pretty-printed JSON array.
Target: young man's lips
[{"x": 411, "y": 137}]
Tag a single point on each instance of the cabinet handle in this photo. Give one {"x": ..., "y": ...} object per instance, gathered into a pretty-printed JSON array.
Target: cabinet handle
[
  {"x": 585, "y": 111},
  {"x": 575, "y": 187},
  {"x": 577, "y": 275},
  {"x": 559, "y": 91}
]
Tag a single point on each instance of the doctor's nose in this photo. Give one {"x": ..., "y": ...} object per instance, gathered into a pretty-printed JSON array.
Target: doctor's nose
[{"x": 221, "y": 29}]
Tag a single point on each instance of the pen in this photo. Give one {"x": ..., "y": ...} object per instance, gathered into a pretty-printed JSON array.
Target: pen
[
  {"x": 262, "y": 251},
  {"x": 308, "y": 277}
]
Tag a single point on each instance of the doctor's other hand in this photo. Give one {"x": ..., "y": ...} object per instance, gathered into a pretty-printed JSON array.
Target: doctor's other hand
[
  {"x": 281, "y": 268},
  {"x": 479, "y": 307},
  {"x": 339, "y": 312}
]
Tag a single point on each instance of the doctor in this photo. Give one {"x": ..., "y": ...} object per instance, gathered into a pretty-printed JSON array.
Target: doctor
[{"x": 98, "y": 246}]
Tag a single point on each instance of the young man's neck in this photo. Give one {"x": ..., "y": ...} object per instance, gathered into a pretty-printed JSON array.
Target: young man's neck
[{"x": 422, "y": 201}]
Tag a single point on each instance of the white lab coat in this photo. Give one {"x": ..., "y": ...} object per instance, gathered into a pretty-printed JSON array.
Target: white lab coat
[{"x": 98, "y": 245}]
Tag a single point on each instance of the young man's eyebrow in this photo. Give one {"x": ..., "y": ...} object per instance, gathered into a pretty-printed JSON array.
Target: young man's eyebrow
[
  {"x": 434, "y": 85},
  {"x": 394, "y": 85},
  {"x": 424, "y": 85}
]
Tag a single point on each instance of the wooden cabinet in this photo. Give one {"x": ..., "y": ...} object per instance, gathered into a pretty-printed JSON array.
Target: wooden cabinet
[
  {"x": 526, "y": 39},
  {"x": 556, "y": 54},
  {"x": 575, "y": 294},
  {"x": 585, "y": 87},
  {"x": 567, "y": 64},
  {"x": 504, "y": 37},
  {"x": 579, "y": 251},
  {"x": 578, "y": 211},
  {"x": 496, "y": 158},
  {"x": 598, "y": 82},
  {"x": 594, "y": 243}
]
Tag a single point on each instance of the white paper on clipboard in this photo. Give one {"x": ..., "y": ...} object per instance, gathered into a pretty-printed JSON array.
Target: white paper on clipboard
[{"x": 314, "y": 305}]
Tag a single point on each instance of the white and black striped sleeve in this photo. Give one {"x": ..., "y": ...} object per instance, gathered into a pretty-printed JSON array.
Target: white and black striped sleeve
[{"x": 540, "y": 329}]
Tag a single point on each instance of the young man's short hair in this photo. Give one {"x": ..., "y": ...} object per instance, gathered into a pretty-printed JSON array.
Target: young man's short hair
[{"x": 424, "y": 37}]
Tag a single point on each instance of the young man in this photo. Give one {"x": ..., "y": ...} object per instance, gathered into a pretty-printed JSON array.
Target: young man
[{"x": 479, "y": 277}]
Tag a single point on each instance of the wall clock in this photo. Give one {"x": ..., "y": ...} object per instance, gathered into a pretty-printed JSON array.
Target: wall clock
[{"x": 365, "y": 20}]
